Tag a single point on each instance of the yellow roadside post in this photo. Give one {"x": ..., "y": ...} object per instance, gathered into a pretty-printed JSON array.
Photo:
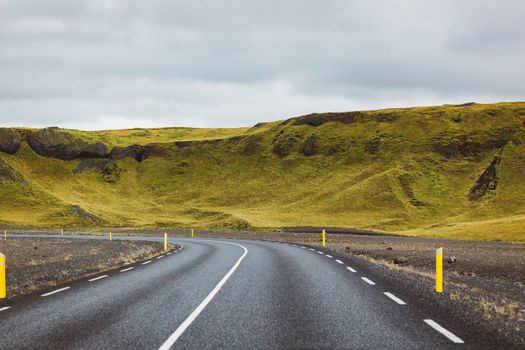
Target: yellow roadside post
[
  {"x": 3, "y": 289},
  {"x": 165, "y": 242},
  {"x": 192, "y": 232},
  {"x": 5, "y": 235},
  {"x": 110, "y": 236},
  {"x": 439, "y": 270},
  {"x": 62, "y": 231},
  {"x": 323, "y": 236}
]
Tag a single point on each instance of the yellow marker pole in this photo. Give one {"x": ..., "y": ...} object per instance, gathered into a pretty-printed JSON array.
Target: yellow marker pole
[
  {"x": 110, "y": 236},
  {"x": 3, "y": 289},
  {"x": 165, "y": 242},
  {"x": 5, "y": 235},
  {"x": 62, "y": 232},
  {"x": 192, "y": 232},
  {"x": 323, "y": 236},
  {"x": 439, "y": 270}
]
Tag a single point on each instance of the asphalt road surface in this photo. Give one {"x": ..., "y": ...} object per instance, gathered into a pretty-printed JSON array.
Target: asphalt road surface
[{"x": 233, "y": 294}]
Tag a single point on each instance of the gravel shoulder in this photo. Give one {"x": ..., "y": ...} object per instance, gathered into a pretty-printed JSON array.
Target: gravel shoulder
[{"x": 39, "y": 264}]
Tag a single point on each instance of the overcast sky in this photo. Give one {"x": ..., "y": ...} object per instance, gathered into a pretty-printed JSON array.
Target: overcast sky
[{"x": 99, "y": 64}]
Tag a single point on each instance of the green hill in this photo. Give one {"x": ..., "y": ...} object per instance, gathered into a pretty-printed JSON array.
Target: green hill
[{"x": 448, "y": 171}]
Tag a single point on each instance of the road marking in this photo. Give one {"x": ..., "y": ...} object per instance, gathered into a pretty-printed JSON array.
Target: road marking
[
  {"x": 320, "y": 252},
  {"x": 5, "y": 308},
  {"x": 329, "y": 256},
  {"x": 169, "y": 253},
  {"x": 179, "y": 331},
  {"x": 146, "y": 262},
  {"x": 351, "y": 269},
  {"x": 98, "y": 278},
  {"x": 129, "y": 268},
  {"x": 338, "y": 261},
  {"x": 368, "y": 281},
  {"x": 295, "y": 245},
  {"x": 160, "y": 257},
  {"x": 311, "y": 249},
  {"x": 303, "y": 247},
  {"x": 55, "y": 291},
  {"x": 394, "y": 298},
  {"x": 451, "y": 336}
]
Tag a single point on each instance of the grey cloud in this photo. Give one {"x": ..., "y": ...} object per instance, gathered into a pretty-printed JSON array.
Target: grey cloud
[{"x": 236, "y": 62}]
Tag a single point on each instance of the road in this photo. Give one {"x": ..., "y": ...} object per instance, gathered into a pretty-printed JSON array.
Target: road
[{"x": 234, "y": 294}]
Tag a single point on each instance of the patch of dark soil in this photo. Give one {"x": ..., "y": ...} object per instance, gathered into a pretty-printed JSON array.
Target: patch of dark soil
[
  {"x": 372, "y": 146},
  {"x": 252, "y": 145},
  {"x": 9, "y": 141},
  {"x": 86, "y": 216},
  {"x": 8, "y": 173},
  {"x": 488, "y": 181},
  {"x": 54, "y": 142},
  {"x": 310, "y": 147},
  {"x": 317, "y": 119}
]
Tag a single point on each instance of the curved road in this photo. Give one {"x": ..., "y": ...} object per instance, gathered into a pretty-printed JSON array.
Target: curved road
[{"x": 233, "y": 294}]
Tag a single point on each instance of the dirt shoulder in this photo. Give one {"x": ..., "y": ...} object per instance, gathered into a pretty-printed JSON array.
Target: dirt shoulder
[{"x": 39, "y": 264}]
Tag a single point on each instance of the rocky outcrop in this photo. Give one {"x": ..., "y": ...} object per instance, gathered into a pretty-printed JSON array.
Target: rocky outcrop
[
  {"x": 460, "y": 146},
  {"x": 9, "y": 141},
  {"x": 488, "y": 181},
  {"x": 316, "y": 119},
  {"x": 86, "y": 216},
  {"x": 310, "y": 147},
  {"x": 283, "y": 146},
  {"x": 54, "y": 142}
]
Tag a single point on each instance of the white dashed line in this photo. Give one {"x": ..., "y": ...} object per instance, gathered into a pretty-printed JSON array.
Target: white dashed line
[
  {"x": 129, "y": 268},
  {"x": 451, "y": 336},
  {"x": 368, "y": 281},
  {"x": 338, "y": 261},
  {"x": 329, "y": 256},
  {"x": 320, "y": 252},
  {"x": 146, "y": 262},
  {"x": 55, "y": 291},
  {"x": 394, "y": 298},
  {"x": 303, "y": 247},
  {"x": 295, "y": 245},
  {"x": 98, "y": 278},
  {"x": 169, "y": 253},
  {"x": 350, "y": 269},
  {"x": 311, "y": 249},
  {"x": 160, "y": 257},
  {"x": 5, "y": 308}
]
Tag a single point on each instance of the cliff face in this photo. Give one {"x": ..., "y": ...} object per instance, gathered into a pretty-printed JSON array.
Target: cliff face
[{"x": 396, "y": 170}]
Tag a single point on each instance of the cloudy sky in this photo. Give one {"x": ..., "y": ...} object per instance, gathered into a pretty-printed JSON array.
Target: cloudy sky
[{"x": 97, "y": 64}]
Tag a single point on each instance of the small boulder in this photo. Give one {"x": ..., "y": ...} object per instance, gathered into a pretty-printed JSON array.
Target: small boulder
[
  {"x": 400, "y": 260},
  {"x": 9, "y": 141},
  {"x": 388, "y": 248},
  {"x": 452, "y": 259}
]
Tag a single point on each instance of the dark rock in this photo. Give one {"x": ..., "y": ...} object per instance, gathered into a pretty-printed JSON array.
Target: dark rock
[
  {"x": 134, "y": 151},
  {"x": 400, "y": 260},
  {"x": 452, "y": 259},
  {"x": 111, "y": 172},
  {"x": 9, "y": 141},
  {"x": 252, "y": 145},
  {"x": 463, "y": 145},
  {"x": 85, "y": 216},
  {"x": 316, "y": 119},
  {"x": 283, "y": 146},
  {"x": 457, "y": 119},
  {"x": 54, "y": 142},
  {"x": 488, "y": 181},
  {"x": 388, "y": 248},
  {"x": 90, "y": 164},
  {"x": 385, "y": 117},
  {"x": 310, "y": 146}
]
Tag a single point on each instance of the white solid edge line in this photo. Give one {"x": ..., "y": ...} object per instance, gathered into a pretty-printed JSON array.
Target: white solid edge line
[
  {"x": 350, "y": 269},
  {"x": 329, "y": 256},
  {"x": 451, "y": 336},
  {"x": 338, "y": 261},
  {"x": 129, "y": 268},
  {"x": 179, "y": 331},
  {"x": 394, "y": 298},
  {"x": 146, "y": 262},
  {"x": 5, "y": 308},
  {"x": 368, "y": 281},
  {"x": 98, "y": 278},
  {"x": 55, "y": 291}
]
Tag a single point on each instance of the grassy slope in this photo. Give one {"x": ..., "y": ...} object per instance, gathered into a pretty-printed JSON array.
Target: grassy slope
[{"x": 403, "y": 186}]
